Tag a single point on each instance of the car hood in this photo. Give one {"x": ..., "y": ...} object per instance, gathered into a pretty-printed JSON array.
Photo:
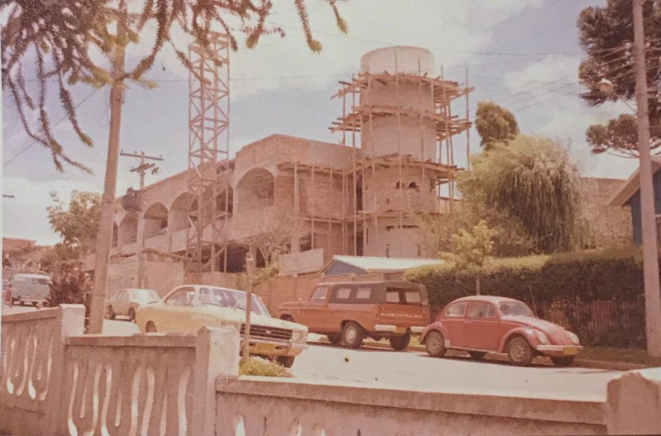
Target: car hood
[
  {"x": 556, "y": 334},
  {"x": 239, "y": 316}
]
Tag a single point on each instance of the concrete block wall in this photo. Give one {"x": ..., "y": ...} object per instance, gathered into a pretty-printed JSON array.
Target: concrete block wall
[{"x": 382, "y": 194}]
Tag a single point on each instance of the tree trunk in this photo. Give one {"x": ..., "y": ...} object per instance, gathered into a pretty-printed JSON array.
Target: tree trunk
[
  {"x": 477, "y": 284},
  {"x": 104, "y": 239}
]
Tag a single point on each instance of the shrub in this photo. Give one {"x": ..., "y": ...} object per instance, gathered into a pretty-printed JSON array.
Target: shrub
[
  {"x": 564, "y": 284},
  {"x": 263, "y": 367},
  {"x": 70, "y": 286}
]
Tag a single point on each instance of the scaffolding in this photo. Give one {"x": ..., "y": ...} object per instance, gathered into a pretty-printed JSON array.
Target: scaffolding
[
  {"x": 365, "y": 163},
  {"x": 209, "y": 166}
]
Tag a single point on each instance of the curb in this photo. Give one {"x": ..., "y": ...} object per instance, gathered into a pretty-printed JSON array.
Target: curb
[{"x": 578, "y": 363}]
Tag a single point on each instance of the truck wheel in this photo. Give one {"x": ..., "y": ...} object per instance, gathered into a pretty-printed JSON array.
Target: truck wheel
[
  {"x": 353, "y": 335},
  {"x": 400, "y": 342},
  {"x": 520, "y": 352},
  {"x": 334, "y": 338},
  {"x": 286, "y": 361},
  {"x": 131, "y": 314},
  {"x": 435, "y": 344},
  {"x": 562, "y": 361}
]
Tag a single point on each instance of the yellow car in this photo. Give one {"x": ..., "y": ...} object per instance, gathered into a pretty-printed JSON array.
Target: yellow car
[{"x": 187, "y": 308}]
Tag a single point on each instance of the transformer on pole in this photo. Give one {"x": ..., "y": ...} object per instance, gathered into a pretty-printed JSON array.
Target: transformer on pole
[{"x": 208, "y": 153}]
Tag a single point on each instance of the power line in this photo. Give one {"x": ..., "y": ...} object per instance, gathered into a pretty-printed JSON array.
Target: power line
[{"x": 54, "y": 125}]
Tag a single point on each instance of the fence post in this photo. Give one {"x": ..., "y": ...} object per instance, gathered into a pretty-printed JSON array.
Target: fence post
[
  {"x": 634, "y": 403},
  {"x": 70, "y": 322},
  {"x": 216, "y": 354}
]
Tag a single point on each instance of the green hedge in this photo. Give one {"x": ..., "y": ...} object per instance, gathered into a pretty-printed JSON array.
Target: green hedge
[{"x": 569, "y": 281}]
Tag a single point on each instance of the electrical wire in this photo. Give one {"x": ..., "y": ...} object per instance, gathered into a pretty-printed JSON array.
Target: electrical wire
[{"x": 27, "y": 147}]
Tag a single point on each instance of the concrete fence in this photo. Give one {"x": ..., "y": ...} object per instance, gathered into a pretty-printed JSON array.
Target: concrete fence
[
  {"x": 56, "y": 381},
  {"x": 263, "y": 406}
]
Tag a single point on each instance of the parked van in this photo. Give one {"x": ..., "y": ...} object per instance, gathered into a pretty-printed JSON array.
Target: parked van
[
  {"x": 351, "y": 311},
  {"x": 30, "y": 289}
]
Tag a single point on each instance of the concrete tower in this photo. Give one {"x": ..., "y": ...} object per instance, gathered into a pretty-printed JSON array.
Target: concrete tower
[{"x": 404, "y": 119}]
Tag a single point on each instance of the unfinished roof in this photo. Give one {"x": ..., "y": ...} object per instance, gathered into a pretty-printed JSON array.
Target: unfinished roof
[
  {"x": 380, "y": 264},
  {"x": 632, "y": 185}
]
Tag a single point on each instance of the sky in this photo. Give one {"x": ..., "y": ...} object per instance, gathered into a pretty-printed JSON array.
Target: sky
[{"x": 521, "y": 54}]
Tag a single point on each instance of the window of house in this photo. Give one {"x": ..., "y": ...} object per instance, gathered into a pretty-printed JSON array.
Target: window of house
[
  {"x": 456, "y": 310},
  {"x": 320, "y": 293}
]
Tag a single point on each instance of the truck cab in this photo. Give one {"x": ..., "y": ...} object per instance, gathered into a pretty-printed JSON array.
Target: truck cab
[{"x": 349, "y": 312}]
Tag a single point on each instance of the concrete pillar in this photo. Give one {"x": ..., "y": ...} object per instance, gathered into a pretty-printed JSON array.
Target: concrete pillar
[{"x": 634, "y": 403}]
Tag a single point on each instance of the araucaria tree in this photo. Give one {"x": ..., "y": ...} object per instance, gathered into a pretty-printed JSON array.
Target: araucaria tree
[
  {"x": 61, "y": 35},
  {"x": 495, "y": 124},
  {"x": 606, "y": 34},
  {"x": 532, "y": 182}
]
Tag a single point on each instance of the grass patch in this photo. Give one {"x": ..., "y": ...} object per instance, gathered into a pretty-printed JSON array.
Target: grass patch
[
  {"x": 263, "y": 367},
  {"x": 623, "y": 355}
]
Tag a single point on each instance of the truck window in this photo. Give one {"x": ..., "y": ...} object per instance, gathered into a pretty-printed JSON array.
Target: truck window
[
  {"x": 363, "y": 293},
  {"x": 342, "y": 293},
  {"x": 392, "y": 296},
  {"x": 320, "y": 293},
  {"x": 413, "y": 297}
]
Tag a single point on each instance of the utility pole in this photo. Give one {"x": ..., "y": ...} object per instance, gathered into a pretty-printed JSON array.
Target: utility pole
[
  {"x": 246, "y": 332},
  {"x": 650, "y": 247},
  {"x": 98, "y": 303},
  {"x": 142, "y": 169},
  {"x": 144, "y": 166}
]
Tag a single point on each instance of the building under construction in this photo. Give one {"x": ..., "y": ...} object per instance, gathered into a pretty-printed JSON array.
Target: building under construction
[{"x": 359, "y": 197}]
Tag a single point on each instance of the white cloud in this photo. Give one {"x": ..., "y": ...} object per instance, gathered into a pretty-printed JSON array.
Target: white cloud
[{"x": 549, "y": 104}]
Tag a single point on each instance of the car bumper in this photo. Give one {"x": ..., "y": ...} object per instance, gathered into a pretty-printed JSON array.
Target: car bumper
[
  {"x": 559, "y": 350},
  {"x": 391, "y": 328},
  {"x": 265, "y": 347}
]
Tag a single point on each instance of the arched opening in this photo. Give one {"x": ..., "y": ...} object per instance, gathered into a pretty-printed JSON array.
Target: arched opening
[
  {"x": 115, "y": 231},
  {"x": 179, "y": 211},
  {"x": 256, "y": 189},
  {"x": 155, "y": 220},
  {"x": 128, "y": 229}
]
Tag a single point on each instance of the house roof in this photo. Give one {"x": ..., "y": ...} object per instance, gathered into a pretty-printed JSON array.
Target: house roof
[
  {"x": 632, "y": 185},
  {"x": 376, "y": 264},
  {"x": 15, "y": 244}
]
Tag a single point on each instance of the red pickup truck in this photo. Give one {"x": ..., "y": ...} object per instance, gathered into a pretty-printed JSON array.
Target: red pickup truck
[{"x": 348, "y": 312}]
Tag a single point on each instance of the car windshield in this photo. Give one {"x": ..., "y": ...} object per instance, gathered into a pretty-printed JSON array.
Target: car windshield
[
  {"x": 233, "y": 299},
  {"x": 144, "y": 295},
  {"x": 515, "y": 309}
]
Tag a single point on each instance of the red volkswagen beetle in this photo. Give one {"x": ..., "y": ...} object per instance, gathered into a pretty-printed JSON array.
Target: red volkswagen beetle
[{"x": 487, "y": 324}]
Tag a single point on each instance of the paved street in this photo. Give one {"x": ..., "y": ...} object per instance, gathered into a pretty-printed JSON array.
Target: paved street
[{"x": 418, "y": 371}]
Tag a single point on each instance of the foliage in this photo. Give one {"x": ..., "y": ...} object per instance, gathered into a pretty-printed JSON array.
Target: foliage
[
  {"x": 566, "y": 282},
  {"x": 270, "y": 233},
  {"x": 263, "y": 367},
  {"x": 605, "y": 35},
  {"x": 471, "y": 248},
  {"x": 533, "y": 183},
  {"x": 70, "y": 286},
  {"x": 436, "y": 231},
  {"x": 495, "y": 124},
  {"x": 61, "y": 37},
  {"x": 77, "y": 223}
]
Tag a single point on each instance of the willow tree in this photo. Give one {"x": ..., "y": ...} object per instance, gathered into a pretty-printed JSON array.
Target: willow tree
[
  {"x": 59, "y": 38},
  {"x": 532, "y": 182}
]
